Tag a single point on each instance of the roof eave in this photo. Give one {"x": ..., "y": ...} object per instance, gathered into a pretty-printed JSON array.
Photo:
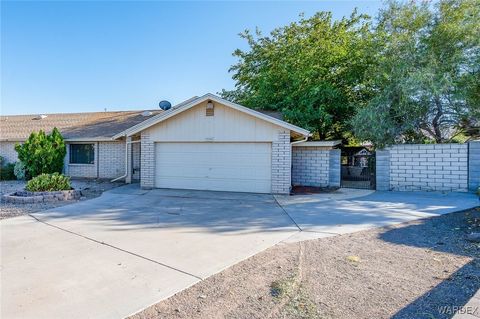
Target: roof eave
[{"x": 77, "y": 139}]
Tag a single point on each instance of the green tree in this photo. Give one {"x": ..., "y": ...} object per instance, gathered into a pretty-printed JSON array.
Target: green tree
[
  {"x": 312, "y": 70},
  {"x": 42, "y": 153},
  {"x": 426, "y": 81}
]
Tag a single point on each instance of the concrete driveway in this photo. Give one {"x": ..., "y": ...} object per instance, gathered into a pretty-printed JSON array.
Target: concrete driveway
[{"x": 115, "y": 255}]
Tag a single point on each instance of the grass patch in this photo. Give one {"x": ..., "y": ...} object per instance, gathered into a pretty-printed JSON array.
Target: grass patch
[
  {"x": 283, "y": 288},
  {"x": 301, "y": 306},
  {"x": 298, "y": 303}
]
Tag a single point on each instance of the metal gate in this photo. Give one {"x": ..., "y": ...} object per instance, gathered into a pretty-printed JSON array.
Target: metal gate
[{"x": 358, "y": 167}]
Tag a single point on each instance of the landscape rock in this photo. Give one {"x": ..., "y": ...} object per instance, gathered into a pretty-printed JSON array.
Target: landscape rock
[{"x": 474, "y": 237}]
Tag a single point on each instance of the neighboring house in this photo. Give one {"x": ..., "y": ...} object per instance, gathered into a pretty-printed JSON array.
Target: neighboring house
[{"x": 203, "y": 143}]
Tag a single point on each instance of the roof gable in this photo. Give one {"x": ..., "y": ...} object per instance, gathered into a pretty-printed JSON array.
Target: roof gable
[{"x": 193, "y": 102}]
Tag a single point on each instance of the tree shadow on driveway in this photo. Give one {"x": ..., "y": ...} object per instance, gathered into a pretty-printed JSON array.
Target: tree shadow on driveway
[{"x": 446, "y": 235}]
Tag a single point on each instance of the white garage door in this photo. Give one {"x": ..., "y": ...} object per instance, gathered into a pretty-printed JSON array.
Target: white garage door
[{"x": 237, "y": 167}]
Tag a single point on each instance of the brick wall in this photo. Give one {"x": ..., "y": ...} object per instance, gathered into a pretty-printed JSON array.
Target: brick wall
[
  {"x": 111, "y": 156},
  {"x": 310, "y": 166},
  {"x": 81, "y": 170},
  {"x": 7, "y": 151},
  {"x": 109, "y": 162},
  {"x": 426, "y": 167},
  {"x": 334, "y": 168},
  {"x": 315, "y": 166},
  {"x": 474, "y": 166},
  {"x": 136, "y": 161},
  {"x": 147, "y": 161},
  {"x": 281, "y": 163},
  {"x": 382, "y": 163}
]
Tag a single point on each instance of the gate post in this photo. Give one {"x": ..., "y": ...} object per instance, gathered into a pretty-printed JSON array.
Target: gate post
[
  {"x": 383, "y": 170},
  {"x": 473, "y": 166},
  {"x": 334, "y": 168}
]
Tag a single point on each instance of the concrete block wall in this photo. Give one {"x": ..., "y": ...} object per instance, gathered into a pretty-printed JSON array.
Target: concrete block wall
[
  {"x": 109, "y": 162},
  {"x": 147, "y": 180},
  {"x": 474, "y": 166},
  {"x": 425, "y": 167},
  {"x": 281, "y": 163},
  {"x": 136, "y": 161},
  {"x": 335, "y": 166},
  {"x": 7, "y": 151},
  {"x": 382, "y": 162},
  {"x": 111, "y": 157},
  {"x": 316, "y": 166},
  {"x": 81, "y": 170},
  {"x": 310, "y": 166}
]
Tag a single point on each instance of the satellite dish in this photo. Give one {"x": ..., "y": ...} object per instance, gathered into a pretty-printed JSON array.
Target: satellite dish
[{"x": 165, "y": 105}]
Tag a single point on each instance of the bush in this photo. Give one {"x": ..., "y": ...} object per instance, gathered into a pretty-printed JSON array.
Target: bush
[
  {"x": 6, "y": 172},
  {"x": 42, "y": 153},
  {"x": 49, "y": 183},
  {"x": 19, "y": 170}
]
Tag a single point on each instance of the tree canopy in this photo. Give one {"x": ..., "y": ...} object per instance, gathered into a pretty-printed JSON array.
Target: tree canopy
[
  {"x": 42, "y": 153},
  {"x": 411, "y": 75},
  {"x": 426, "y": 79},
  {"x": 311, "y": 70}
]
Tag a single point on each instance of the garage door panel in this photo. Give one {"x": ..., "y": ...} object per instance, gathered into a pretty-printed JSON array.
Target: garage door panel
[
  {"x": 242, "y": 167},
  {"x": 212, "y": 184},
  {"x": 220, "y": 159},
  {"x": 216, "y": 172}
]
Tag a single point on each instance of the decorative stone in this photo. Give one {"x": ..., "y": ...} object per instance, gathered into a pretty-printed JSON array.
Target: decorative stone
[
  {"x": 26, "y": 197},
  {"x": 38, "y": 199},
  {"x": 474, "y": 237}
]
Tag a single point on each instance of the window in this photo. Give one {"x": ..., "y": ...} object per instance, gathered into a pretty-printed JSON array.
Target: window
[{"x": 82, "y": 154}]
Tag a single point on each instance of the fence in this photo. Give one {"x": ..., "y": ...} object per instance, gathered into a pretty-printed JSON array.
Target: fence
[{"x": 429, "y": 167}]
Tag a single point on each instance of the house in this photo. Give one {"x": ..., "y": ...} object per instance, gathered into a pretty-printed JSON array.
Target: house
[
  {"x": 203, "y": 143},
  {"x": 209, "y": 143}
]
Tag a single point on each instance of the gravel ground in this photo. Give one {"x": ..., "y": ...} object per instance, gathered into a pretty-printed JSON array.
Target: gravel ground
[
  {"x": 402, "y": 271},
  {"x": 90, "y": 189}
]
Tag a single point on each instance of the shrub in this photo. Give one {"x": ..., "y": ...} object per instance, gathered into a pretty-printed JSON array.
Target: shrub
[
  {"x": 49, "y": 183},
  {"x": 42, "y": 153},
  {"x": 19, "y": 170},
  {"x": 6, "y": 172}
]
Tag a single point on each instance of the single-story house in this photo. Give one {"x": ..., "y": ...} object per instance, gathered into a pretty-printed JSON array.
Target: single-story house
[
  {"x": 203, "y": 143},
  {"x": 209, "y": 143}
]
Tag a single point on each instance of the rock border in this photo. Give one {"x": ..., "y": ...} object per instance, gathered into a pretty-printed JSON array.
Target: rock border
[{"x": 26, "y": 197}]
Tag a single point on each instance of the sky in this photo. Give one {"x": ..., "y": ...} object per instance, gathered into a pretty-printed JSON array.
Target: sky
[{"x": 66, "y": 56}]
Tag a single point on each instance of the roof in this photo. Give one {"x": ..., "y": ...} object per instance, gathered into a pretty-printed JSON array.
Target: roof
[
  {"x": 195, "y": 101},
  {"x": 319, "y": 143},
  {"x": 73, "y": 126},
  {"x": 100, "y": 126}
]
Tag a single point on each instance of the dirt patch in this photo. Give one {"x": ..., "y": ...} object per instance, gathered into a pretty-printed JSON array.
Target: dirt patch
[
  {"x": 306, "y": 190},
  {"x": 89, "y": 188},
  {"x": 410, "y": 270}
]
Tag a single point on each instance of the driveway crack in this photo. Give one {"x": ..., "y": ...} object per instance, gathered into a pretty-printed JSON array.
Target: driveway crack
[
  {"x": 115, "y": 247},
  {"x": 291, "y": 218}
]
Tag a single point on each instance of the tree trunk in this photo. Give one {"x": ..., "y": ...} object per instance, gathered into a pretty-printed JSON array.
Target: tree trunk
[{"x": 436, "y": 121}]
